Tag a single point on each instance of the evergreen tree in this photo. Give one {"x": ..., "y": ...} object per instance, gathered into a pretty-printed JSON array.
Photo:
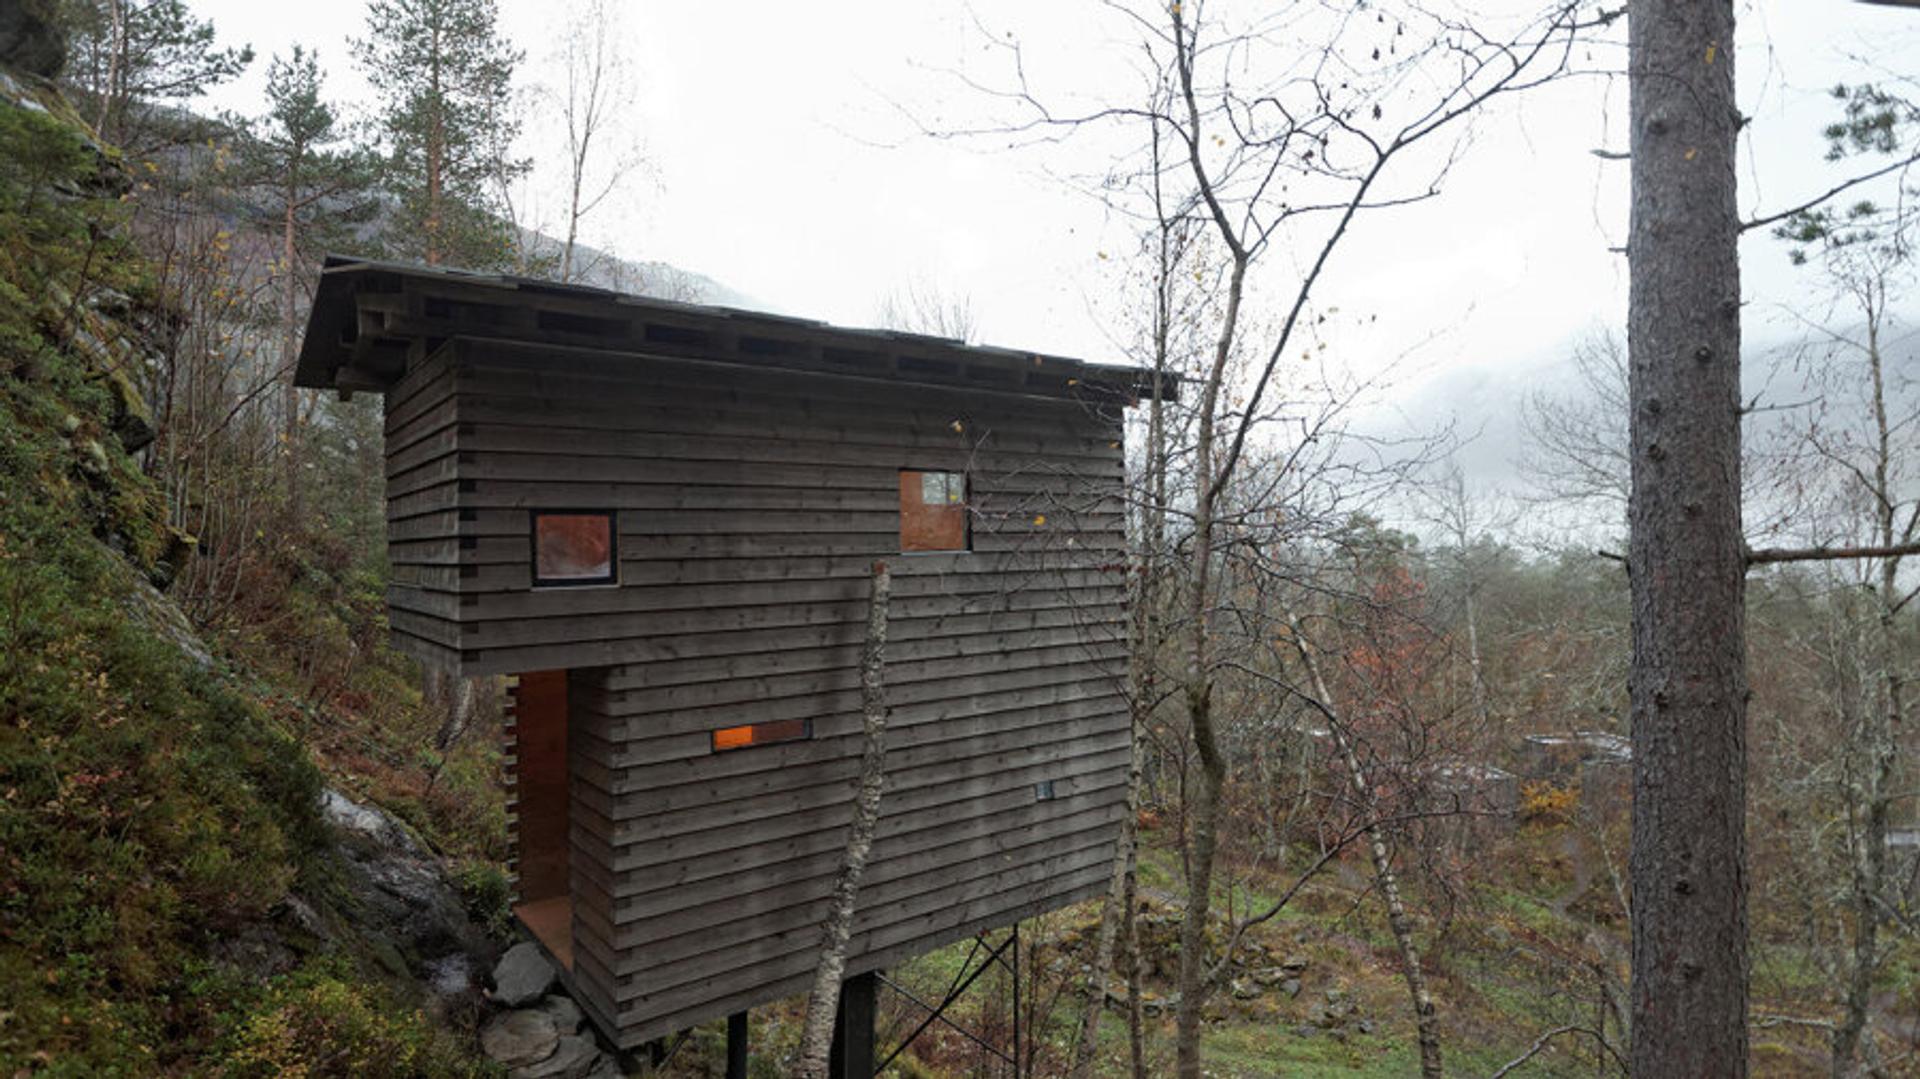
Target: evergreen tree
[
  {"x": 128, "y": 54},
  {"x": 318, "y": 191},
  {"x": 445, "y": 77}
]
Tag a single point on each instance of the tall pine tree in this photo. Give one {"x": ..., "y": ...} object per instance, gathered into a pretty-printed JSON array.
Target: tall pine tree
[
  {"x": 445, "y": 79},
  {"x": 298, "y": 163}
]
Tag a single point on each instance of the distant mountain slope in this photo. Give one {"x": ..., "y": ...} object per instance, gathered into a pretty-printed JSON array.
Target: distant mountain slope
[{"x": 664, "y": 280}]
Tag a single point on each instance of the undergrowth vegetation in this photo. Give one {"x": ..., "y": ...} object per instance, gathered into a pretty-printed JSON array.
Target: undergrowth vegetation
[{"x": 158, "y": 794}]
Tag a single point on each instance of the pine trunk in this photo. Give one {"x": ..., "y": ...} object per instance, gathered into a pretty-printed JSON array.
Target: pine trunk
[
  {"x": 290, "y": 350},
  {"x": 1687, "y": 557}
]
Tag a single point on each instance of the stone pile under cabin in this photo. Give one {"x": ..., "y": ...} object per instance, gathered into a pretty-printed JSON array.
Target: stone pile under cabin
[{"x": 661, "y": 519}]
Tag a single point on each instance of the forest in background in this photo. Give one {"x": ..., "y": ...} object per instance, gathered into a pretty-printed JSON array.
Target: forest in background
[{"x": 1359, "y": 847}]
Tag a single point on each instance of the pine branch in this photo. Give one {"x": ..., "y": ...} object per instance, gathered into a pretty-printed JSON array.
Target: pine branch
[
  {"x": 1764, "y": 555},
  {"x": 1770, "y": 219}
]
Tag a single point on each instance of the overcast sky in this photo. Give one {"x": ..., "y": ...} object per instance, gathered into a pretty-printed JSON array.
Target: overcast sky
[{"x": 783, "y": 166}]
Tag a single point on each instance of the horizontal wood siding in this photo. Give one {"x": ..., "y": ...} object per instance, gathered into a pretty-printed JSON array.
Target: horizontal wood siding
[
  {"x": 595, "y": 956},
  {"x": 752, "y": 504}
]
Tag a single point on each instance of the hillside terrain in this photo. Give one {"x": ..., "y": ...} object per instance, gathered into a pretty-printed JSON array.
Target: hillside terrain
[
  {"x": 176, "y": 892},
  {"x": 241, "y": 835}
]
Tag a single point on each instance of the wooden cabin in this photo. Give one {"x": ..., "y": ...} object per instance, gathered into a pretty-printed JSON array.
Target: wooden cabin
[{"x": 661, "y": 519}]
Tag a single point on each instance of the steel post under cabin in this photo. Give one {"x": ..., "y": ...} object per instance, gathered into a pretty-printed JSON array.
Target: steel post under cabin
[
  {"x": 737, "y": 1046},
  {"x": 851, "y": 1056},
  {"x": 658, "y": 520}
]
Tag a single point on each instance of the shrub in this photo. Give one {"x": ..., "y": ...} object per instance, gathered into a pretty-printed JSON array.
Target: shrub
[
  {"x": 318, "y": 1022},
  {"x": 1541, "y": 802}
]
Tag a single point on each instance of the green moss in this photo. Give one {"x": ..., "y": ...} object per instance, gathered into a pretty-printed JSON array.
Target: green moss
[
  {"x": 146, "y": 807},
  {"x": 323, "y": 1021}
]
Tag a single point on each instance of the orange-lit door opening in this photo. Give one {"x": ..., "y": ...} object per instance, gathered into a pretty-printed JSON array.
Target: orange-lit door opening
[{"x": 540, "y": 773}]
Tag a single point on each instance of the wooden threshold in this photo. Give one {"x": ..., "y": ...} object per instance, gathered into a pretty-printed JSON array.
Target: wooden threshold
[{"x": 551, "y": 923}]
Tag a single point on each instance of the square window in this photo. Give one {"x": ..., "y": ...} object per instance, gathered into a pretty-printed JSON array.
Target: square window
[
  {"x": 574, "y": 548},
  {"x": 933, "y": 511}
]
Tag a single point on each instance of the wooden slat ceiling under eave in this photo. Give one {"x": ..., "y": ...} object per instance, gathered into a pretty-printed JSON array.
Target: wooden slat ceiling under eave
[{"x": 369, "y": 316}]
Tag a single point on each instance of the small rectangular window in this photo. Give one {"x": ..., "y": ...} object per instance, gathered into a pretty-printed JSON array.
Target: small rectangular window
[
  {"x": 761, "y": 734},
  {"x": 1043, "y": 791},
  {"x": 933, "y": 511},
  {"x": 574, "y": 548}
]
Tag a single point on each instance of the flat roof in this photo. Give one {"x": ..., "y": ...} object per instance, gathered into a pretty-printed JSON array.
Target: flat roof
[{"x": 369, "y": 316}]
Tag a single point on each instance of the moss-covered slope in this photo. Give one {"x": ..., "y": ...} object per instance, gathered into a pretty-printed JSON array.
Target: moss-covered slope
[{"x": 151, "y": 813}]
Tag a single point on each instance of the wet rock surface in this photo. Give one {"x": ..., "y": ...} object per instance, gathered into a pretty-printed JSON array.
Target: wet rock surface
[
  {"x": 519, "y": 1037},
  {"x": 546, "y": 1039},
  {"x": 522, "y": 976},
  {"x": 402, "y": 908}
]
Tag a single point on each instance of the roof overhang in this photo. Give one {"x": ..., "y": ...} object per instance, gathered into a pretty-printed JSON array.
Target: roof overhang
[{"x": 371, "y": 319}]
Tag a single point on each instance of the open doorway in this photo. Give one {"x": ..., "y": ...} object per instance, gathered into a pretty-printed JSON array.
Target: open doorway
[{"x": 545, "y": 900}]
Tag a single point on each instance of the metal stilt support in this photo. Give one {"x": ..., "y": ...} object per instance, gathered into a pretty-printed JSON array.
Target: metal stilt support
[
  {"x": 852, "y": 1054},
  {"x": 1005, "y": 954},
  {"x": 737, "y": 1046}
]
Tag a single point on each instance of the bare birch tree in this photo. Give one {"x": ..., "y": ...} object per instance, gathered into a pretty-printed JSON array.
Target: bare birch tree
[
  {"x": 597, "y": 90},
  {"x": 1167, "y": 246},
  {"x": 1291, "y": 153},
  {"x": 923, "y": 306},
  {"x": 823, "y": 1000},
  {"x": 1277, "y": 143},
  {"x": 1857, "y": 438}
]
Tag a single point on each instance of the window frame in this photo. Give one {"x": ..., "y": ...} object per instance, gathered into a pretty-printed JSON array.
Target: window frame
[
  {"x": 965, "y": 506},
  {"x": 612, "y": 578},
  {"x": 804, "y": 733}
]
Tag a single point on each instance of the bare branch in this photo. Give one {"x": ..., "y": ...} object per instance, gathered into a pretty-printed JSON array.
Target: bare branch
[{"x": 1765, "y": 555}]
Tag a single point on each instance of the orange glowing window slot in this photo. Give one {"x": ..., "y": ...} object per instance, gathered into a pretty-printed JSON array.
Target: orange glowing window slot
[{"x": 761, "y": 734}]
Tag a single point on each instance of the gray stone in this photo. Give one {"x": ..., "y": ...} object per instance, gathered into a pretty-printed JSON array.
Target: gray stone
[
  {"x": 1244, "y": 990},
  {"x": 1291, "y": 987},
  {"x": 257, "y": 950},
  {"x": 1364, "y": 1026},
  {"x": 305, "y": 918},
  {"x": 607, "y": 1068},
  {"x": 450, "y": 975},
  {"x": 396, "y": 885},
  {"x": 576, "y": 1055},
  {"x": 523, "y": 975},
  {"x": 348, "y": 815},
  {"x": 566, "y": 1014},
  {"x": 519, "y": 1038},
  {"x": 386, "y": 952}
]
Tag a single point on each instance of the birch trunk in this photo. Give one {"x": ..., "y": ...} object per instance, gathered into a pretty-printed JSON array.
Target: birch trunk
[
  {"x": 816, "y": 1041},
  {"x": 1876, "y": 748},
  {"x": 1425, "y": 1014},
  {"x": 1143, "y": 655}
]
